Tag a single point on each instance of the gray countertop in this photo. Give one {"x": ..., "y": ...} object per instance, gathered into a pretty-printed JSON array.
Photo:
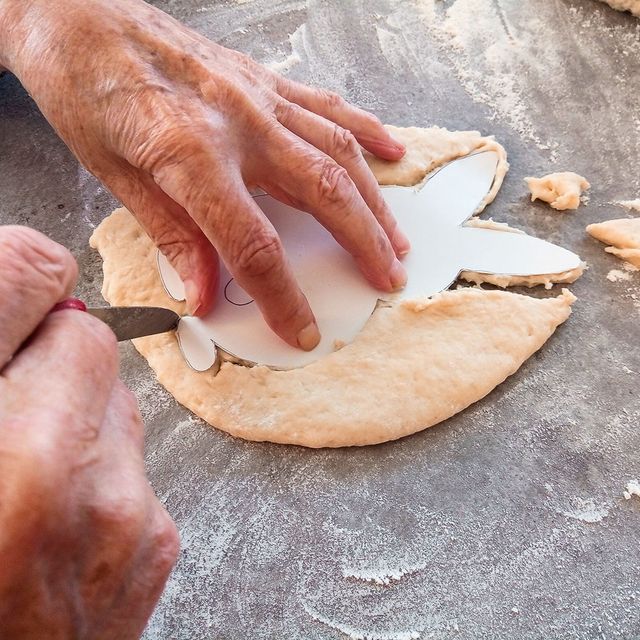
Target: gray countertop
[{"x": 506, "y": 521}]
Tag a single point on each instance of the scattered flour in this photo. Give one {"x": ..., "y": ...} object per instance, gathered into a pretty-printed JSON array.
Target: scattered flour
[
  {"x": 383, "y": 576},
  {"x": 285, "y": 65},
  {"x": 586, "y": 510},
  {"x": 359, "y": 634},
  {"x": 615, "y": 275}
]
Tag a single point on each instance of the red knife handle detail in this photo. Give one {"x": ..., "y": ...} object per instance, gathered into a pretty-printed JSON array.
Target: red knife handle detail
[{"x": 70, "y": 303}]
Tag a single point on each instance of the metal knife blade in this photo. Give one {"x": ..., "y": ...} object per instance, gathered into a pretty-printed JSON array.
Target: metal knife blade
[{"x": 135, "y": 322}]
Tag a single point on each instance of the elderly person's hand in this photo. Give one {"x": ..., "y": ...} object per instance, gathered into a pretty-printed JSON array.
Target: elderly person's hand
[
  {"x": 179, "y": 129},
  {"x": 85, "y": 546}
]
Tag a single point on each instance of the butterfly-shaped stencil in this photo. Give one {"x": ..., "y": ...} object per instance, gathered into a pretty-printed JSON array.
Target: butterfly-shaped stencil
[{"x": 433, "y": 218}]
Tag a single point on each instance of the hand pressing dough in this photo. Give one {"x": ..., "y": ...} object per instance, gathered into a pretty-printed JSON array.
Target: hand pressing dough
[
  {"x": 623, "y": 234},
  {"x": 422, "y": 361},
  {"x": 625, "y": 5},
  {"x": 561, "y": 190}
]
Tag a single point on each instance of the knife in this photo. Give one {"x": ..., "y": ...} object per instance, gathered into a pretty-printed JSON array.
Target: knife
[{"x": 128, "y": 322}]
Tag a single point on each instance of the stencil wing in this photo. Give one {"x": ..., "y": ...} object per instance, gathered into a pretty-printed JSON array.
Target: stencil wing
[{"x": 504, "y": 253}]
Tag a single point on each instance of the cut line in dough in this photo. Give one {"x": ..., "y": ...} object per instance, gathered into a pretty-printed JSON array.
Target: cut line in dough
[{"x": 413, "y": 365}]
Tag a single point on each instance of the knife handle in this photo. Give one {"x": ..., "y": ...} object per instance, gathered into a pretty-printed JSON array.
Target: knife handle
[{"x": 70, "y": 303}]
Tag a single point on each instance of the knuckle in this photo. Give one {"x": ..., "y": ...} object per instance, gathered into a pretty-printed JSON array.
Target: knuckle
[
  {"x": 331, "y": 99},
  {"x": 372, "y": 120},
  {"x": 260, "y": 253},
  {"x": 286, "y": 112},
  {"x": 36, "y": 262},
  {"x": 345, "y": 142},
  {"x": 165, "y": 540},
  {"x": 333, "y": 181},
  {"x": 123, "y": 513}
]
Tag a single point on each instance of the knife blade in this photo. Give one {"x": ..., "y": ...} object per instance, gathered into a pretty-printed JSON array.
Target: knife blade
[{"x": 136, "y": 322}]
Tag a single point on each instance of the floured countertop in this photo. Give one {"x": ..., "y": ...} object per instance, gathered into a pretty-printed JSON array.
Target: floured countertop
[{"x": 508, "y": 521}]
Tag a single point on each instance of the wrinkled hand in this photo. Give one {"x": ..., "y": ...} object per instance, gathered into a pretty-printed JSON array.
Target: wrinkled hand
[
  {"x": 85, "y": 547},
  {"x": 179, "y": 129}
]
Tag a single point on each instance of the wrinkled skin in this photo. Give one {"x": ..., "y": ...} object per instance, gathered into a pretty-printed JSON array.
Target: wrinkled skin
[
  {"x": 85, "y": 546},
  {"x": 179, "y": 129}
]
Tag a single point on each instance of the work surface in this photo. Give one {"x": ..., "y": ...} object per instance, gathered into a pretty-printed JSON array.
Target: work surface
[{"x": 507, "y": 521}]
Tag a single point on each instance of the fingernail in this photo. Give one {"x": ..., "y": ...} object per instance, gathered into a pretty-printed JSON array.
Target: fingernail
[
  {"x": 396, "y": 146},
  {"x": 398, "y": 275},
  {"x": 401, "y": 243},
  {"x": 192, "y": 293},
  {"x": 309, "y": 337}
]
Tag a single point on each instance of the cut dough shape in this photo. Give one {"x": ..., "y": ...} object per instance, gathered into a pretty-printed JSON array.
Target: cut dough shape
[
  {"x": 624, "y": 236},
  {"x": 420, "y": 359},
  {"x": 561, "y": 190},
  {"x": 625, "y": 5}
]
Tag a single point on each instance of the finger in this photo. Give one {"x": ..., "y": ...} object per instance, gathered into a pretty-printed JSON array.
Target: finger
[
  {"x": 367, "y": 129},
  {"x": 314, "y": 182},
  {"x": 174, "y": 232},
  {"x": 35, "y": 273},
  {"x": 247, "y": 242},
  {"x": 59, "y": 383},
  {"x": 115, "y": 508},
  {"x": 341, "y": 145},
  {"x": 151, "y": 567}
]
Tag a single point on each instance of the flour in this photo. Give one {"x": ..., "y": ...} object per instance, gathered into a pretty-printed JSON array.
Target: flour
[
  {"x": 285, "y": 65},
  {"x": 359, "y": 634},
  {"x": 586, "y": 510},
  {"x": 382, "y": 575},
  {"x": 615, "y": 275}
]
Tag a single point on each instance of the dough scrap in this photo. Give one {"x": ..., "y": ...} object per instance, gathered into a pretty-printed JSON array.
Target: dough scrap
[
  {"x": 625, "y": 5},
  {"x": 422, "y": 360},
  {"x": 430, "y": 148},
  {"x": 632, "y": 488},
  {"x": 624, "y": 236},
  {"x": 561, "y": 190}
]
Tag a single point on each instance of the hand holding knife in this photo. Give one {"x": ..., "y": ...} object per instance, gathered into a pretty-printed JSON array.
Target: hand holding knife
[{"x": 127, "y": 322}]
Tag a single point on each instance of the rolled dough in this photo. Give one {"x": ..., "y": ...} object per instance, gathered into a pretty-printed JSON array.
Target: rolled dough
[
  {"x": 561, "y": 190},
  {"x": 422, "y": 361},
  {"x": 624, "y": 236}
]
